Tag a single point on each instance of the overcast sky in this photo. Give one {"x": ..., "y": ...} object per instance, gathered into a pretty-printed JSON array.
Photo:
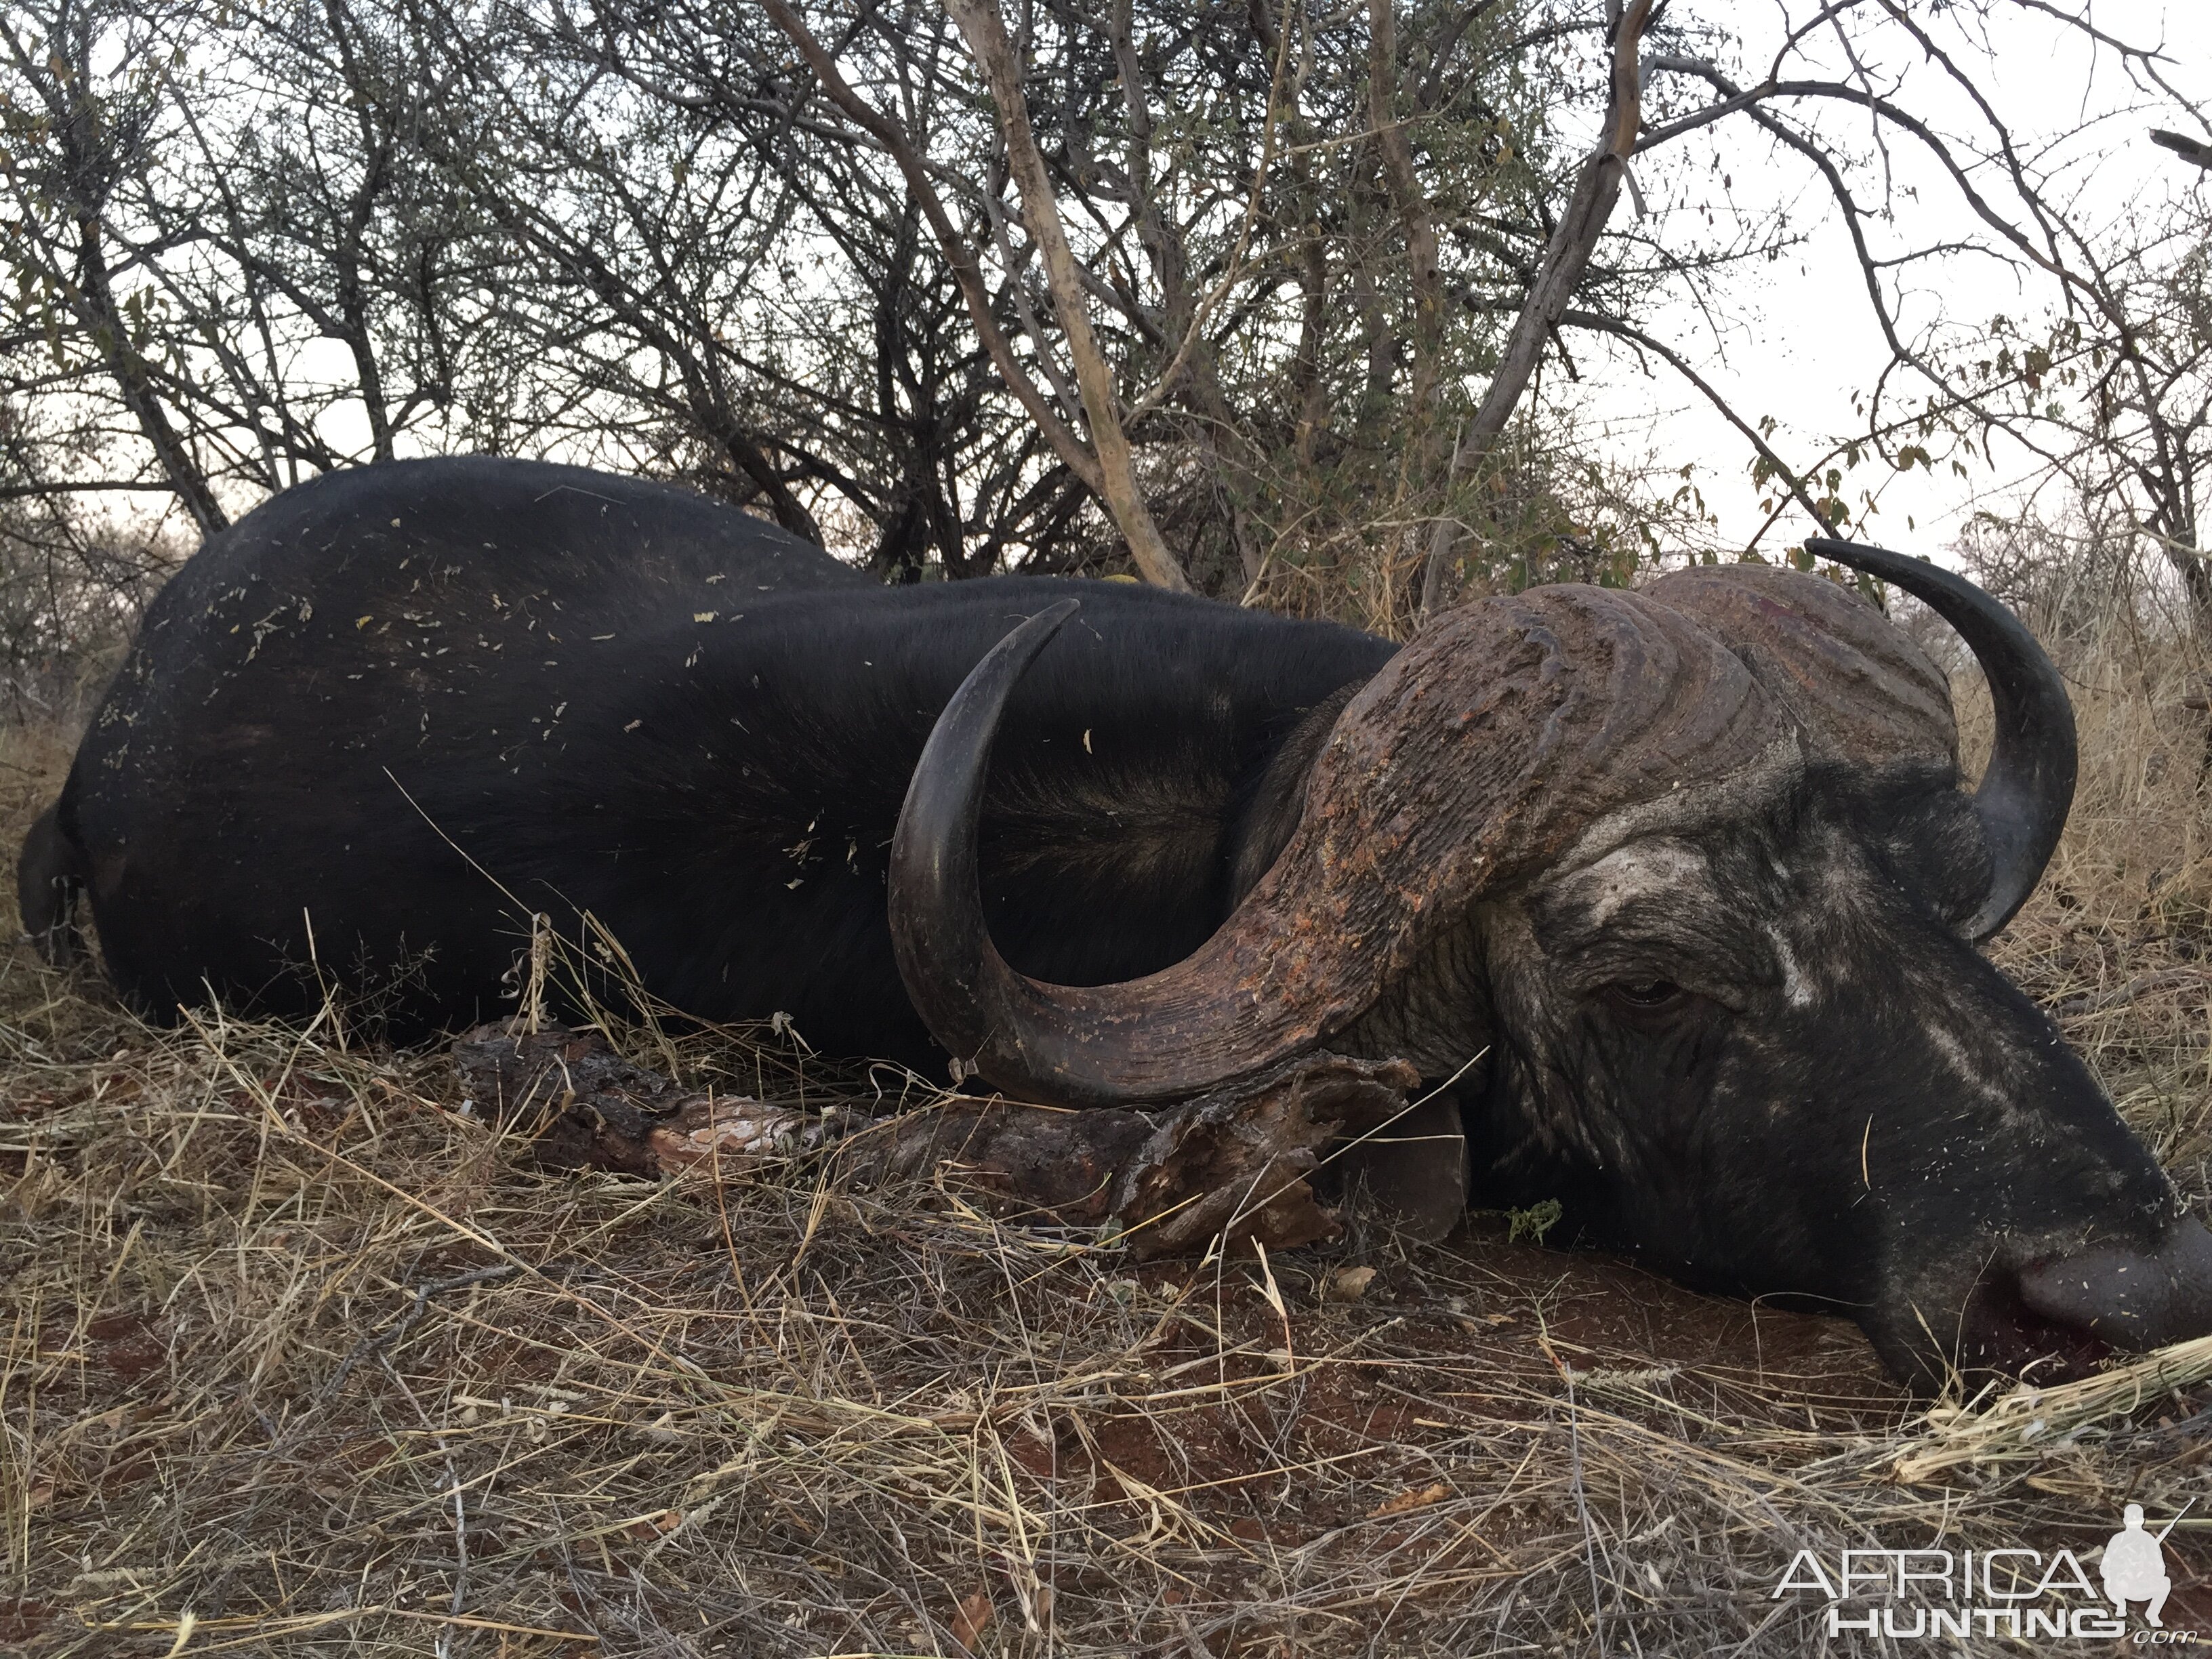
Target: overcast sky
[{"x": 1794, "y": 347}]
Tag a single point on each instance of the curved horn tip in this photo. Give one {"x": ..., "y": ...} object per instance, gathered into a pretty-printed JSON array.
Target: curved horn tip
[
  {"x": 2028, "y": 789},
  {"x": 939, "y": 938}
]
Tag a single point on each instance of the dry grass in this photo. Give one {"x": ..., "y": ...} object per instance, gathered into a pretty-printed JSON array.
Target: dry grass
[{"x": 297, "y": 1355}]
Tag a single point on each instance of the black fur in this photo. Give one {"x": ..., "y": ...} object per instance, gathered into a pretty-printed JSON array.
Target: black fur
[
  {"x": 1838, "y": 1097},
  {"x": 412, "y": 704}
]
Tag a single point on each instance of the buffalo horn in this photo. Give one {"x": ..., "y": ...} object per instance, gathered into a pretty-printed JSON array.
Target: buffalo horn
[
  {"x": 939, "y": 933},
  {"x": 1160, "y": 1038},
  {"x": 2025, "y": 794},
  {"x": 1479, "y": 752}
]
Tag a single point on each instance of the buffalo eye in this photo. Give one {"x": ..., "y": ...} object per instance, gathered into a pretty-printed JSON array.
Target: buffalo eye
[{"x": 1644, "y": 998}]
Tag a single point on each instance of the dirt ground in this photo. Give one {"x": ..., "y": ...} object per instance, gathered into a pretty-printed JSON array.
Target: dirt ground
[{"x": 303, "y": 1356}]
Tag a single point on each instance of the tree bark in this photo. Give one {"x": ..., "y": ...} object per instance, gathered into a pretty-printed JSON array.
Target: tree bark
[
  {"x": 1414, "y": 213},
  {"x": 985, "y": 31},
  {"x": 1597, "y": 186},
  {"x": 1071, "y": 449},
  {"x": 110, "y": 330},
  {"x": 86, "y": 143}
]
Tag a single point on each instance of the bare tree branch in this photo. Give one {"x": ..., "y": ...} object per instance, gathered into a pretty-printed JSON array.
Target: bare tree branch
[
  {"x": 1071, "y": 449},
  {"x": 1597, "y": 186},
  {"x": 1599, "y": 322},
  {"x": 2189, "y": 150},
  {"x": 985, "y": 31}
]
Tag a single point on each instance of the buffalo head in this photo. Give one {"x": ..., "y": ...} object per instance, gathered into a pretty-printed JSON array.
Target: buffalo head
[{"x": 1693, "y": 870}]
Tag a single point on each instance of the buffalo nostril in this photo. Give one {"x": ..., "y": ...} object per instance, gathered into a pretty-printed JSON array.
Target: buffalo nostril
[{"x": 2130, "y": 1298}]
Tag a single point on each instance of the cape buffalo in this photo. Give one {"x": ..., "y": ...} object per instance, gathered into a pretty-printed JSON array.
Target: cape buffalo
[{"x": 1692, "y": 868}]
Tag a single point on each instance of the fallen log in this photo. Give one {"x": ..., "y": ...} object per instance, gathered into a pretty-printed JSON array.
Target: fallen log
[{"x": 1239, "y": 1162}]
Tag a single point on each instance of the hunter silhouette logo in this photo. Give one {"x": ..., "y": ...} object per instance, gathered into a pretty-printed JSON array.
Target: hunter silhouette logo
[
  {"x": 1927, "y": 1594},
  {"x": 2135, "y": 1566}
]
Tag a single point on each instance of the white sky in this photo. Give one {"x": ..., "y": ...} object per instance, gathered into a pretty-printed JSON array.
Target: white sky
[{"x": 1796, "y": 347}]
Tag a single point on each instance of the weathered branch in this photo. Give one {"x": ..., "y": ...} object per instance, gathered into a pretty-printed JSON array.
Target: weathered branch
[
  {"x": 1414, "y": 213},
  {"x": 1597, "y": 186},
  {"x": 1168, "y": 259},
  {"x": 2189, "y": 150},
  {"x": 1074, "y": 452},
  {"x": 985, "y": 31},
  {"x": 86, "y": 141},
  {"x": 1235, "y": 1163}
]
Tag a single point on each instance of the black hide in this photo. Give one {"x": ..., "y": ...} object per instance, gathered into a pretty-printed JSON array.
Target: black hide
[{"x": 409, "y": 705}]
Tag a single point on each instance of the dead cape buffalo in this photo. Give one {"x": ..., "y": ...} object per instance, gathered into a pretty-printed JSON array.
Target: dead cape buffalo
[{"x": 1693, "y": 867}]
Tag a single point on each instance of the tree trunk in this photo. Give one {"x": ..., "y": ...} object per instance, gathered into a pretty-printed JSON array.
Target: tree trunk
[
  {"x": 985, "y": 31},
  {"x": 1597, "y": 186}
]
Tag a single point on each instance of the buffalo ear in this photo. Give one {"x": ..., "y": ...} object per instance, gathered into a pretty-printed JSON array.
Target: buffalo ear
[
  {"x": 2027, "y": 790},
  {"x": 1925, "y": 833}
]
